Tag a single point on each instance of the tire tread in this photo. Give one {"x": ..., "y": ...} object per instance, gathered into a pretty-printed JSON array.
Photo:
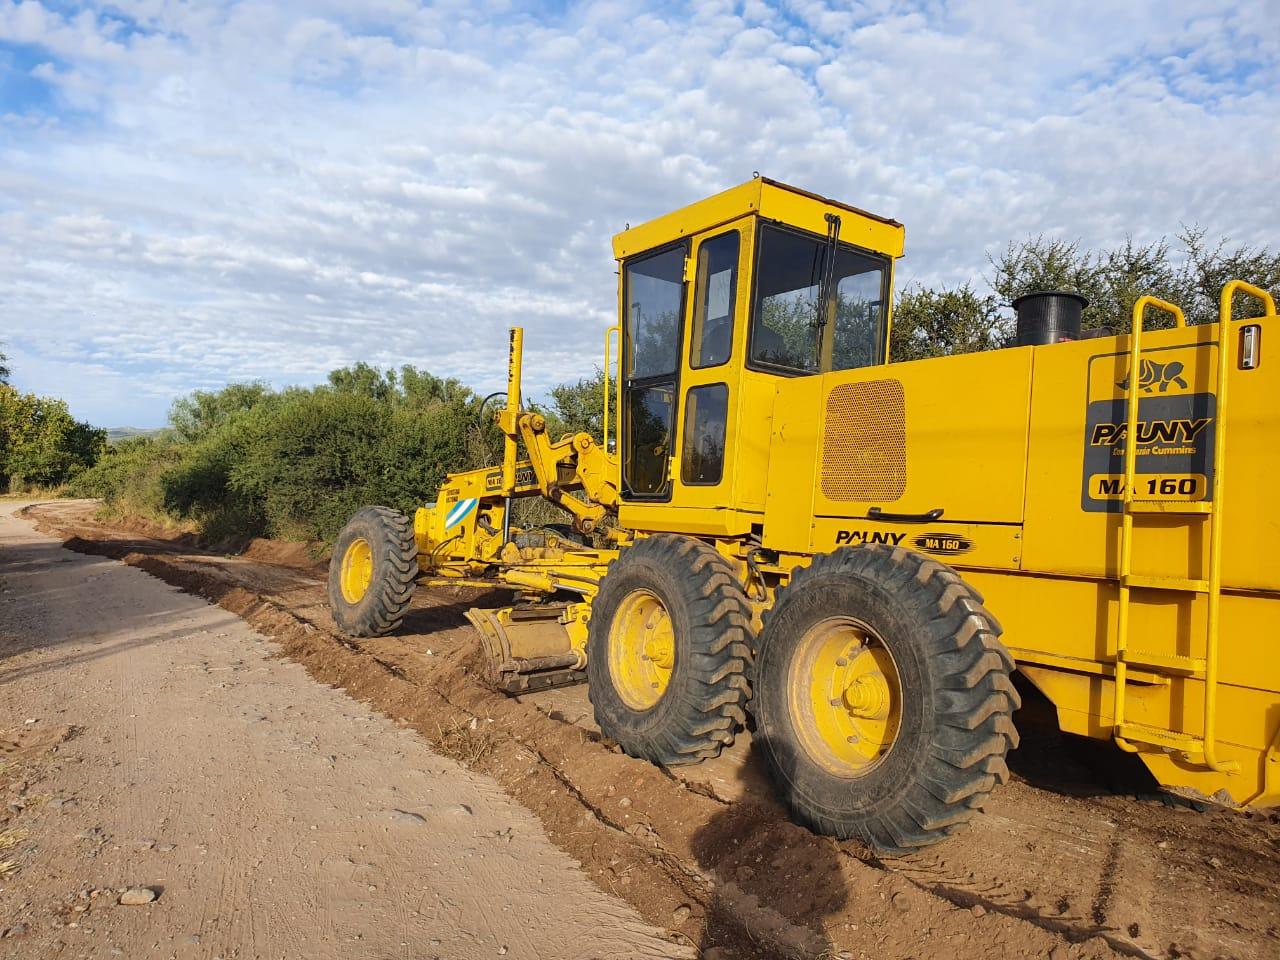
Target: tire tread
[
  {"x": 715, "y": 688},
  {"x": 382, "y": 610},
  {"x": 974, "y": 698}
]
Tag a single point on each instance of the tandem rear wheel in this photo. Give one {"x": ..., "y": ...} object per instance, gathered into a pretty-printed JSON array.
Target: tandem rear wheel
[{"x": 883, "y": 698}]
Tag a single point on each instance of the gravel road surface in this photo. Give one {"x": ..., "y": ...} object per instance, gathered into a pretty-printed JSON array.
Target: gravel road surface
[{"x": 154, "y": 743}]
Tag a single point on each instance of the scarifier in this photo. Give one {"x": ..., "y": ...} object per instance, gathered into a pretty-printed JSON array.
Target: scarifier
[{"x": 779, "y": 523}]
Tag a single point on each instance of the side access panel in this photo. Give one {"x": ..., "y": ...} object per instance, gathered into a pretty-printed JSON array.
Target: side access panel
[{"x": 945, "y": 434}]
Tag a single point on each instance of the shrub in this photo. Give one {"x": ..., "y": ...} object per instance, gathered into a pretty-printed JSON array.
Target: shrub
[
  {"x": 130, "y": 477},
  {"x": 41, "y": 444}
]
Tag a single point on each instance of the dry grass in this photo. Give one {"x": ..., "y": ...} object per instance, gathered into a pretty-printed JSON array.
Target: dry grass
[
  {"x": 35, "y": 493},
  {"x": 466, "y": 742},
  {"x": 8, "y": 840},
  {"x": 11, "y": 838}
]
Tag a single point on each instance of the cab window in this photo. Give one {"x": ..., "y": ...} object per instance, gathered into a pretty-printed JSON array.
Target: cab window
[
  {"x": 787, "y": 333},
  {"x": 702, "y": 455},
  {"x": 653, "y": 299},
  {"x": 714, "y": 296},
  {"x": 655, "y": 293},
  {"x": 649, "y": 437}
]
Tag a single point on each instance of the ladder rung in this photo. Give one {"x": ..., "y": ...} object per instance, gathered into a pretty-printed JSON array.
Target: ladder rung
[
  {"x": 1175, "y": 507},
  {"x": 1191, "y": 666},
  {"x": 1191, "y": 747},
  {"x": 1166, "y": 583}
]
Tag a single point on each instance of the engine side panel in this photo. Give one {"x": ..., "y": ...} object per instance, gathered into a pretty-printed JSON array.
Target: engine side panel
[{"x": 946, "y": 434}]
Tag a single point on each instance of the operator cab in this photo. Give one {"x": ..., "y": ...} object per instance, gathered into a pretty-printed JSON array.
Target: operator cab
[{"x": 718, "y": 302}]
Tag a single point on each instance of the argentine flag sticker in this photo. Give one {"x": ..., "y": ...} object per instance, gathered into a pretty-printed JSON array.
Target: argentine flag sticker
[{"x": 458, "y": 512}]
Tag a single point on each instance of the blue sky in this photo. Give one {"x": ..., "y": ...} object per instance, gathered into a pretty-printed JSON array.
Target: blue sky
[{"x": 194, "y": 192}]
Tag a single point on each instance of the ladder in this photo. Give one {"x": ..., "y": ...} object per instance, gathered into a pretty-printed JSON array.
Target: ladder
[{"x": 1199, "y": 750}]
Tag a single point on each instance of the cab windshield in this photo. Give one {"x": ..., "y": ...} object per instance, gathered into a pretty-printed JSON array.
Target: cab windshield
[{"x": 787, "y": 333}]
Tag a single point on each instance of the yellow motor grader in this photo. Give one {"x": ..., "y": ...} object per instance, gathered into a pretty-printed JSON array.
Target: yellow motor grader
[{"x": 778, "y": 522}]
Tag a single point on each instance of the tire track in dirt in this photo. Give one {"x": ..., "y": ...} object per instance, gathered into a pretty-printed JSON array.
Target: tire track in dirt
[{"x": 721, "y": 865}]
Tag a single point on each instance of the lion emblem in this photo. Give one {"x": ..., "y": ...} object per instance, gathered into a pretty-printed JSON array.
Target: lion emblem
[{"x": 1152, "y": 374}]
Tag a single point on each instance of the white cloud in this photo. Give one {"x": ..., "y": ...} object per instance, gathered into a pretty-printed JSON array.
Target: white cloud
[{"x": 262, "y": 190}]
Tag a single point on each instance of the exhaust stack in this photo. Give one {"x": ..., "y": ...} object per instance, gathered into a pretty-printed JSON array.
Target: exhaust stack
[{"x": 1048, "y": 316}]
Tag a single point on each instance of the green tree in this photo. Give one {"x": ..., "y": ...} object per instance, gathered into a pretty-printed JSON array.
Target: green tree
[
  {"x": 578, "y": 407},
  {"x": 365, "y": 380},
  {"x": 41, "y": 443},
  {"x": 1208, "y": 268},
  {"x": 1190, "y": 272},
  {"x": 933, "y": 323},
  {"x": 203, "y": 411},
  {"x": 4, "y": 368},
  {"x": 418, "y": 388},
  {"x": 1112, "y": 280}
]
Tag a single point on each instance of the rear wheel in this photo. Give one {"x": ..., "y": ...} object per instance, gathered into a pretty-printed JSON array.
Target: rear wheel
[
  {"x": 668, "y": 651},
  {"x": 372, "y": 572},
  {"x": 883, "y": 697}
]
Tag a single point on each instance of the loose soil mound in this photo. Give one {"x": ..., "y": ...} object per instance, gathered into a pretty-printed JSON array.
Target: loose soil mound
[{"x": 1067, "y": 862}]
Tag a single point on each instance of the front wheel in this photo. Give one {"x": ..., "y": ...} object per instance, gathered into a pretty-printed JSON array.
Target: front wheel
[
  {"x": 372, "y": 572},
  {"x": 668, "y": 651},
  {"x": 883, "y": 698}
]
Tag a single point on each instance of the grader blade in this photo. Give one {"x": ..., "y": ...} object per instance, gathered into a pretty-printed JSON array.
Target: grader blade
[{"x": 528, "y": 648}]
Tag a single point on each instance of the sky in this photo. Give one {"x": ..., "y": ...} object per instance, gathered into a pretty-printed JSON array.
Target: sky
[{"x": 194, "y": 193}]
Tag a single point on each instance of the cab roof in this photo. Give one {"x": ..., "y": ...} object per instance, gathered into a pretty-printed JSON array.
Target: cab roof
[{"x": 773, "y": 201}]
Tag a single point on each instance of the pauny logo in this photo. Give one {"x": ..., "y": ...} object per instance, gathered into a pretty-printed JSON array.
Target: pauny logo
[
  {"x": 944, "y": 544},
  {"x": 869, "y": 536},
  {"x": 1152, "y": 374},
  {"x": 1181, "y": 431}
]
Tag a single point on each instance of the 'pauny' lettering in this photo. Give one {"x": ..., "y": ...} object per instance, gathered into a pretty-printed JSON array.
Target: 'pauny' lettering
[
  {"x": 869, "y": 536},
  {"x": 1150, "y": 431}
]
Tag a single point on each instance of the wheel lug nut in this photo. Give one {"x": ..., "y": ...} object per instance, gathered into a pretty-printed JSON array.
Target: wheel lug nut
[
  {"x": 842, "y": 661},
  {"x": 835, "y": 701},
  {"x": 854, "y": 739}
]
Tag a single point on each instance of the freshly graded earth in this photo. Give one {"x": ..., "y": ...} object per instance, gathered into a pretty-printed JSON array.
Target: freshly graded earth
[{"x": 1078, "y": 857}]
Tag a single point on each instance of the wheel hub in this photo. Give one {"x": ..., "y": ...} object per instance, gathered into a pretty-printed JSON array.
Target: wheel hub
[
  {"x": 868, "y": 697},
  {"x": 845, "y": 696},
  {"x": 642, "y": 650},
  {"x": 357, "y": 570}
]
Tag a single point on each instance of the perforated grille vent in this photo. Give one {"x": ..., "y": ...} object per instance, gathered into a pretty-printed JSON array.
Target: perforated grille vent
[{"x": 864, "y": 456}]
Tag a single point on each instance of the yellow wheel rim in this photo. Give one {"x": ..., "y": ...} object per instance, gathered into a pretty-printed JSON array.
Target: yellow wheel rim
[
  {"x": 642, "y": 650},
  {"x": 845, "y": 696},
  {"x": 357, "y": 570}
]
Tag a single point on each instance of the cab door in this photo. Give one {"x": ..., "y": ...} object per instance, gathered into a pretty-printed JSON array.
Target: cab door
[
  {"x": 653, "y": 307},
  {"x": 682, "y": 375},
  {"x": 710, "y": 373}
]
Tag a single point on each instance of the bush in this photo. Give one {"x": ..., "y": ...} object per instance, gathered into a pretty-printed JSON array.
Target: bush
[
  {"x": 246, "y": 461},
  {"x": 130, "y": 477},
  {"x": 198, "y": 487},
  {"x": 306, "y": 465},
  {"x": 941, "y": 322},
  {"x": 41, "y": 444}
]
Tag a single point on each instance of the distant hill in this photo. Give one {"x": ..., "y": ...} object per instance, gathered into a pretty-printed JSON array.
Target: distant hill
[{"x": 123, "y": 433}]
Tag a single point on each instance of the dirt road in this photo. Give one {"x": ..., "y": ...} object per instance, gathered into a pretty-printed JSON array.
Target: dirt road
[
  {"x": 152, "y": 740},
  {"x": 1071, "y": 860}
]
